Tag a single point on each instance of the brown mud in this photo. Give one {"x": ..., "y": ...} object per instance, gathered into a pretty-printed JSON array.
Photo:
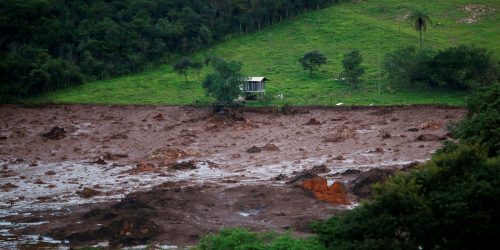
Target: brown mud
[{"x": 135, "y": 174}]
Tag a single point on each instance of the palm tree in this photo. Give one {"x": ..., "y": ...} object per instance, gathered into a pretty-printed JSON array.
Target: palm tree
[{"x": 421, "y": 19}]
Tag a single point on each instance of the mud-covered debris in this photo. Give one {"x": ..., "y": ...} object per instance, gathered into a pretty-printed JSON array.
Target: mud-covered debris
[
  {"x": 385, "y": 135},
  {"x": 7, "y": 187},
  {"x": 339, "y": 158},
  {"x": 184, "y": 165},
  {"x": 118, "y": 136},
  {"x": 134, "y": 230},
  {"x": 362, "y": 185},
  {"x": 307, "y": 174},
  {"x": 88, "y": 193},
  {"x": 429, "y": 137},
  {"x": 350, "y": 172},
  {"x": 335, "y": 194},
  {"x": 159, "y": 117},
  {"x": 235, "y": 156},
  {"x": 56, "y": 133},
  {"x": 377, "y": 150},
  {"x": 254, "y": 150},
  {"x": 142, "y": 167},
  {"x": 113, "y": 157},
  {"x": 340, "y": 118},
  {"x": 270, "y": 147},
  {"x": 50, "y": 172},
  {"x": 430, "y": 125},
  {"x": 280, "y": 177},
  {"x": 99, "y": 161},
  {"x": 313, "y": 122},
  {"x": 170, "y": 155},
  {"x": 341, "y": 135}
]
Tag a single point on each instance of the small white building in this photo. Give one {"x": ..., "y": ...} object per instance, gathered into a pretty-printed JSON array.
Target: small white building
[{"x": 254, "y": 87}]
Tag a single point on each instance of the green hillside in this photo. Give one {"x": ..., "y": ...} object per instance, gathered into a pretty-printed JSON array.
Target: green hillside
[{"x": 374, "y": 27}]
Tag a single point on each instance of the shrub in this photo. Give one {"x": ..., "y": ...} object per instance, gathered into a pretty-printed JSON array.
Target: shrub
[
  {"x": 482, "y": 124},
  {"x": 408, "y": 65},
  {"x": 464, "y": 67}
]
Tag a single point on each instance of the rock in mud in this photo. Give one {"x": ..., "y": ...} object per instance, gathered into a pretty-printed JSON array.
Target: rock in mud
[
  {"x": 118, "y": 136},
  {"x": 88, "y": 193},
  {"x": 56, "y": 133},
  {"x": 335, "y": 194},
  {"x": 362, "y": 185},
  {"x": 159, "y": 117},
  {"x": 270, "y": 147},
  {"x": 7, "y": 187},
  {"x": 385, "y": 135},
  {"x": 430, "y": 125},
  {"x": 313, "y": 122},
  {"x": 429, "y": 137},
  {"x": 184, "y": 165},
  {"x": 254, "y": 150},
  {"x": 142, "y": 167},
  {"x": 341, "y": 135},
  {"x": 113, "y": 157},
  {"x": 308, "y": 174}
]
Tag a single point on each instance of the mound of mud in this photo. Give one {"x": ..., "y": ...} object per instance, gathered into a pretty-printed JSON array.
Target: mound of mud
[
  {"x": 362, "y": 185},
  {"x": 56, "y": 133},
  {"x": 181, "y": 215}
]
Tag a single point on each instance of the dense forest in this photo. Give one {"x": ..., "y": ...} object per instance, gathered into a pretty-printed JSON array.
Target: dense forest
[{"x": 51, "y": 44}]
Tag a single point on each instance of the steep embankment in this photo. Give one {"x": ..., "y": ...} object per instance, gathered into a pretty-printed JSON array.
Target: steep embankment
[{"x": 373, "y": 27}]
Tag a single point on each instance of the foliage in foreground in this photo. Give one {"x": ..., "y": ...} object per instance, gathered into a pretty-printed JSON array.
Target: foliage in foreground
[
  {"x": 482, "y": 124},
  {"x": 242, "y": 239}
]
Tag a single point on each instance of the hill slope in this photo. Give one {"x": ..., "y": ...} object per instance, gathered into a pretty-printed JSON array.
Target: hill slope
[{"x": 373, "y": 27}]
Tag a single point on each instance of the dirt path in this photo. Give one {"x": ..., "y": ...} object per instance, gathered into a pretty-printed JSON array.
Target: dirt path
[{"x": 58, "y": 157}]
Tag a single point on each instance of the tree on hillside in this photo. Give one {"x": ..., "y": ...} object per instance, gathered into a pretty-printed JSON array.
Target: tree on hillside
[
  {"x": 182, "y": 66},
  {"x": 408, "y": 65},
  {"x": 352, "y": 68},
  {"x": 312, "y": 60},
  {"x": 224, "y": 84},
  {"x": 421, "y": 19}
]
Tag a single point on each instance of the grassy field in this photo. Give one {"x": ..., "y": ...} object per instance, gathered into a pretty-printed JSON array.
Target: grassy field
[{"x": 374, "y": 27}]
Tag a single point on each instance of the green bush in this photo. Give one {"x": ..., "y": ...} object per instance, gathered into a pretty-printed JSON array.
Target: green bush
[
  {"x": 408, "y": 65},
  {"x": 451, "y": 202},
  {"x": 242, "y": 239},
  {"x": 482, "y": 124},
  {"x": 462, "y": 67}
]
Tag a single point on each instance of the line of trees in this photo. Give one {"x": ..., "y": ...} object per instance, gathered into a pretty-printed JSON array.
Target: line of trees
[{"x": 52, "y": 44}]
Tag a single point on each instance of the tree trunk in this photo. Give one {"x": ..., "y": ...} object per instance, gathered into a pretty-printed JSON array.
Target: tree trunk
[{"x": 420, "y": 39}]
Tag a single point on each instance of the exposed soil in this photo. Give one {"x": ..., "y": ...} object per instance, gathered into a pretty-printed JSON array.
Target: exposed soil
[{"x": 196, "y": 171}]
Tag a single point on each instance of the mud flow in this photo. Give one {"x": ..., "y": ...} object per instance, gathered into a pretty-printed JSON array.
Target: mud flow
[{"x": 116, "y": 176}]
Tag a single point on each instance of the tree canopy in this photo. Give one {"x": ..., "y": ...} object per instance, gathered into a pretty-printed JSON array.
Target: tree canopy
[
  {"x": 312, "y": 60},
  {"x": 51, "y": 44},
  {"x": 224, "y": 83},
  {"x": 352, "y": 67}
]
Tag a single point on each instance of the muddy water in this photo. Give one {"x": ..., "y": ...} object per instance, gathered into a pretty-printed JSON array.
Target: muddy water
[{"x": 38, "y": 174}]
